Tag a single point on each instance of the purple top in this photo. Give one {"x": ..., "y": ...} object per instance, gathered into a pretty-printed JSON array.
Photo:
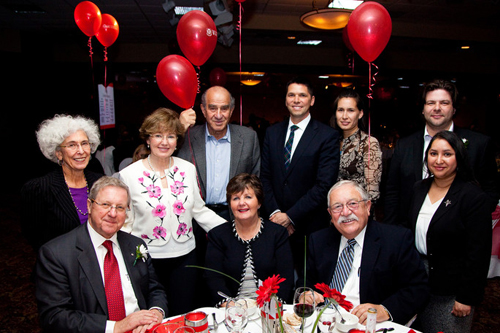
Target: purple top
[{"x": 80, "y": 198}]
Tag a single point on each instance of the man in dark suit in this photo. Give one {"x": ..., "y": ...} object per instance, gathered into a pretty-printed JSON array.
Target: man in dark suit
[
  {"x": 219, "y": 150},
  {"x": 386, "y": 272},
  {"x": 295, "y": 186},
  {"x": 407, "y": 167},
  {"x": 73, "y": 289}
]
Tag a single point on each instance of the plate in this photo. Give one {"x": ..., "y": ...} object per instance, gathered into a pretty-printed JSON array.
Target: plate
[{"x": 219, "y": 314}]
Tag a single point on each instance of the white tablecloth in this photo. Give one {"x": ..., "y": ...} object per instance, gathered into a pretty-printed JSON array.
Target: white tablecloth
[{"x": 254, "y": 326}]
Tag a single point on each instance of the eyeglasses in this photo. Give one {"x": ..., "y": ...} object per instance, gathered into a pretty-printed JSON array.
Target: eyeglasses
[
  {"x": 351, "y": 205},
  {"x": 107, "y": 206},
  {"x": 73, "y": 146}
]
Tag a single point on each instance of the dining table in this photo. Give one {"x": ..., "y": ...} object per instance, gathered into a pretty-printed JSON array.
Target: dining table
[{"x": 255, "y": 324}]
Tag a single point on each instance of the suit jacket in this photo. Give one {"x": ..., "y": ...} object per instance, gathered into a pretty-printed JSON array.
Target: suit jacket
[
  {"x": 458, "y": 240},
  {"x": 391, "y": 272},
  {"x": 245, "y": 152},
  {"x": 406, "y": 169},
  {"x": 301, "y": 191},
  {"x": 69, "y": 286},
  {"x": 48, "y": 210}
]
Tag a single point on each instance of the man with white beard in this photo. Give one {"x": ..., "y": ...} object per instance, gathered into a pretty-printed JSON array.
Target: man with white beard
[{"x": 374, "y": 265}]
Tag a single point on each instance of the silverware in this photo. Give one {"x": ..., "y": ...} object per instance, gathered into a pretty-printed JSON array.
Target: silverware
[
  {"x": 224, "y": 295},
  {"x": 216, "y": 325},
  {"x": 385, "y": 329}
]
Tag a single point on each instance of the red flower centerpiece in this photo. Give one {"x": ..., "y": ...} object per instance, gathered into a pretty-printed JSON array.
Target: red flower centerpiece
[
  {"x": 269, "y": 304},
  {"x": 333, "y": 297}
]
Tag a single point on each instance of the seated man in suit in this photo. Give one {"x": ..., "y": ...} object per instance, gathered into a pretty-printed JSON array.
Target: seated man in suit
[
  {"x": 97, "y": 278},
  {"x": 384, "y": 271}
]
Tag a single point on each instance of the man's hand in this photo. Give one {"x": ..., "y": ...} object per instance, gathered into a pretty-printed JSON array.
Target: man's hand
[
  {"x": 461, "y": 310},
  {"x": 138, "y": 322},
  {"x": 280, "y": 218},
  {"x": 361, "y": 311},
  {"x": 290, "y": 229},
  {"x": 187, "y": 118}
]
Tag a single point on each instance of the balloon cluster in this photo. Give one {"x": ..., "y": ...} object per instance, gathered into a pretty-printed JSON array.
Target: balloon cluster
[
  {"x": 91, "y": 22},
  {"x": 175, "y": 75}
]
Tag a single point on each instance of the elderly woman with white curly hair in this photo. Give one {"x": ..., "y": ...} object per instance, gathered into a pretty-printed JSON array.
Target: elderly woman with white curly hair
[{"x": 57, "y": 202}]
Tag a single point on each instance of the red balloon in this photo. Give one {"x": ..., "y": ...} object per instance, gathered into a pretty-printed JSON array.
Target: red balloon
[
  {"x": 197, "y": 36},
  {"x": 88, "y": 18},
  {"x": 369, "y": 29},
  {"x": 345, "y": 38},
  {"x": 108, "y": 33},
  {"x": 217, "y": 77},
  {"x": 177, "y": 80}
]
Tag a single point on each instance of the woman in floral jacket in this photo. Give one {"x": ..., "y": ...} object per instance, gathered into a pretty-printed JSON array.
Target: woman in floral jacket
[{"x": 165, "y": 198}]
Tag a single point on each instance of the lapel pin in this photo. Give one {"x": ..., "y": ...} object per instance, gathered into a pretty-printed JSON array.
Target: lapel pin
[{"x": 448, "y": 202}]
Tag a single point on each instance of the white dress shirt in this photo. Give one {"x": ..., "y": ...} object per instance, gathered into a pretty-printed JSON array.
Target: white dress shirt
[
  {"x": 425, "y": 215},
  {"x": 129, "y": 298},
  {"x": 351, "y": 287},
  {"x": 298, "y": 133}
]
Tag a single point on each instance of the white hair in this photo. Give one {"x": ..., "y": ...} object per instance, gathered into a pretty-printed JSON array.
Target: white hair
[
  {"x": 359, "y": 188},
  {"x": 52, "y": 132}
]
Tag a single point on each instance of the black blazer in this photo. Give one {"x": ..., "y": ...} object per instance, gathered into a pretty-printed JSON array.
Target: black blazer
[
  {"x": 69, "y": 285},
  {"x": 406, "y": 169},
  {"x": 47, "y": 208},
  {"x": 301, "y": 191},
  {"x": 458, "y": 240},
  {"x": 391, "y": 271}
]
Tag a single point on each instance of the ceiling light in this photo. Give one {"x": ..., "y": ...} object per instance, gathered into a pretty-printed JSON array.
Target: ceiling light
[
  {"x": 334, "y": 16},
  {"x": 250, "y": 82},
  {"x": 465, "y": 47},
  {"x": 180, "y": 10},
  {"x": 309, "y": 42}
]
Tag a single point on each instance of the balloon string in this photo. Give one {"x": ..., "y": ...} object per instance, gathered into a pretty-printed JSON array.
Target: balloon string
[
  {"x": 89, "y": 44},
  {"x": 239, "y": 28},
  {"x": 198, "y": 79},
  {"x": 371, "y": 82}
]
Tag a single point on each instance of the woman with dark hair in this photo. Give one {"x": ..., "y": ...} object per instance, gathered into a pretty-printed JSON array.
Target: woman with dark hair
[
  {"x": 361, "y": 157},
  {"x": 452, "y": 225},
  {"x": 249, "y": 249}
]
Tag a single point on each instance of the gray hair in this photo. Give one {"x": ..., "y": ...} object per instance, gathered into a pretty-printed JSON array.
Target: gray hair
[
  {"x": 204, "y": 97},
  {"x": 106, "y": 181},
  {"x": 52, "y": 132},
  {"x": 359, "y": 188}
]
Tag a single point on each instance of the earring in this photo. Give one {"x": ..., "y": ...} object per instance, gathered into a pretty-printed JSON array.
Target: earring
[{"x": 60, "y": 162}]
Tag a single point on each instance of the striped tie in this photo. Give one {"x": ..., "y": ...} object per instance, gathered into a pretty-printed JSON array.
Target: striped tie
[
  {"x": 343, "y": 266},
  {"x": 288, "y": 146}
]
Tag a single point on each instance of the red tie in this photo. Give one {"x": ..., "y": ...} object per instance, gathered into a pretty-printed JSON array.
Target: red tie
[{"x": 113, "y": 284}]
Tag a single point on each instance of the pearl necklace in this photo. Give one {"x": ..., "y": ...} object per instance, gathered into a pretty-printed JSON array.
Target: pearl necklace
[
  {"x": 71, "y": 195},
  {"x": 153, "y": 169}
]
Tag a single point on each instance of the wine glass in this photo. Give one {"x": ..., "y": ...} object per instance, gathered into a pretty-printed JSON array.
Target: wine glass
[
  {"x": 236, "y": 318},
  {"x": 303, "y": 303},
  {"x": 327, "y": 319}
]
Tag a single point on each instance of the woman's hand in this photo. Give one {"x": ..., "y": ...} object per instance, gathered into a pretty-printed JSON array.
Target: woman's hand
[{"x": 461, "y": 310}]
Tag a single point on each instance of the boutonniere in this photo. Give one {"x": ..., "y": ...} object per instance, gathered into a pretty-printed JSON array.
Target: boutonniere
[
  {"x": 141, "y": 253},
  {"x": 466, "y": 142}
]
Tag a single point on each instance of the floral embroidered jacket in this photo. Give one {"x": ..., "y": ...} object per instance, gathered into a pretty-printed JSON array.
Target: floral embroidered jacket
[{"x": 162, "y": 216}]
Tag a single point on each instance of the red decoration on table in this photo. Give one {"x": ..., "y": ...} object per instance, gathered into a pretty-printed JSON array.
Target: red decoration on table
[
  {"x": 197, "y": 36},
  {"x": 109, "y": 30},
  {"x": 269, "y": 287},
  {"x": 369, "y": 29},
  {"x": 177, "y": 80},
  {"x": 333, "y": 294},
  {"x": 88, "y": 18}
]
